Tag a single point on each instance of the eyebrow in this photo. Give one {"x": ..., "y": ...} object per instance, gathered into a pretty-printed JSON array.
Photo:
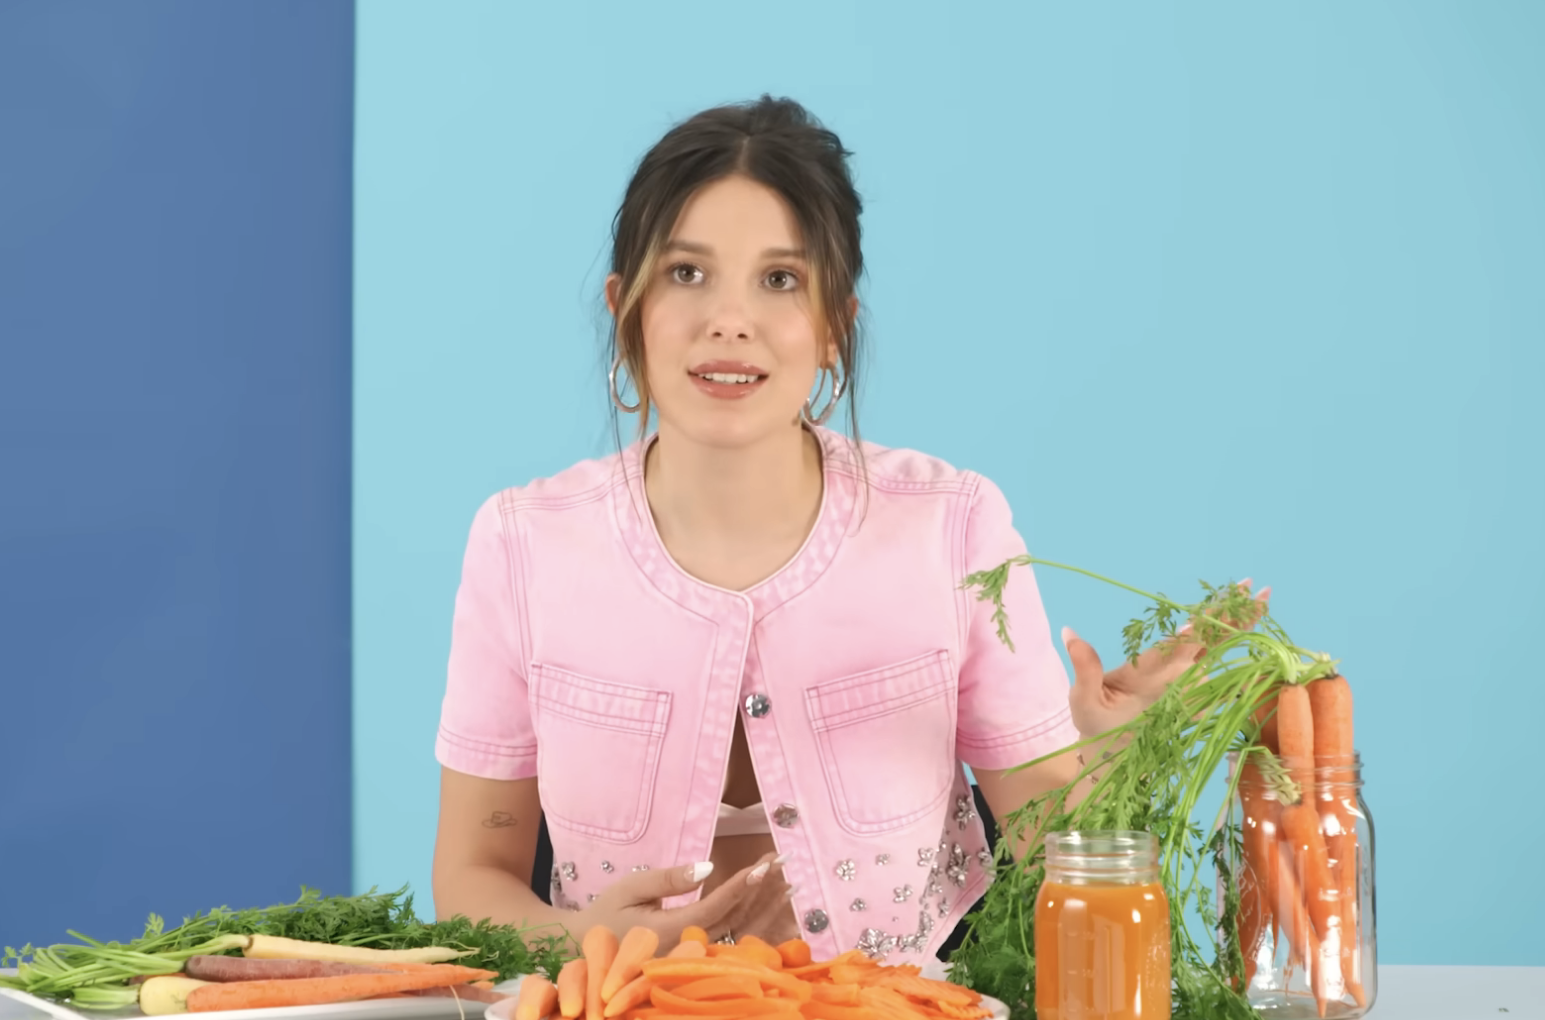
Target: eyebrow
[{"x": 694, "y": 248}]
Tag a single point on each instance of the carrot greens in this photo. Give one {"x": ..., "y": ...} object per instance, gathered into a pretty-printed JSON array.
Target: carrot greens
[{"x": 1150, "y": 775}]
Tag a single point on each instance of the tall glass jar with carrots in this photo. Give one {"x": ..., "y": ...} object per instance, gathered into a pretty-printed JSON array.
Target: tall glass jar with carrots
[{"x": 1304, "y": 864}]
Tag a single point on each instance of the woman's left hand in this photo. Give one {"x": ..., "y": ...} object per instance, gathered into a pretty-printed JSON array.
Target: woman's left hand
[{"x": 1102, "y": 701}]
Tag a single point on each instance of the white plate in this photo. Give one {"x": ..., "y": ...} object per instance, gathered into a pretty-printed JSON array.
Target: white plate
[
  {"x": 415, "y": 1008},
  {"x": 935, "y": 969}
]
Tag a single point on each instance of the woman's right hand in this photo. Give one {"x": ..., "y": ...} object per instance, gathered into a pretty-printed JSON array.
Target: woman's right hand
[{"x": 754, "y": 901}]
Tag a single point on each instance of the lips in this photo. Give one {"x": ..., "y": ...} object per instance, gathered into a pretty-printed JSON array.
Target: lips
[{"x": 727, "y": 380}]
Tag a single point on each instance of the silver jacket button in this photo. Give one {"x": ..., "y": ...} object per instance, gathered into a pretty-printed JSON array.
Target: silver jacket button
[
  {"x": 815, "y": 922},
  {"x": 758, "y": 705},
  {"x": 785, "y": 816}
]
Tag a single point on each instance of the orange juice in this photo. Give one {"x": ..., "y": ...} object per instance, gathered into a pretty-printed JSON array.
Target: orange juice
[{"x": 1102, "y": 934}]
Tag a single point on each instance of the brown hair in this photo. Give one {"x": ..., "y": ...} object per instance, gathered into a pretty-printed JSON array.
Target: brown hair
[{"x": 777, "y": 143}]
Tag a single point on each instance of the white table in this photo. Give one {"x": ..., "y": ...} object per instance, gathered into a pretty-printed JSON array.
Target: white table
[{"x": 1405, "y": 993}]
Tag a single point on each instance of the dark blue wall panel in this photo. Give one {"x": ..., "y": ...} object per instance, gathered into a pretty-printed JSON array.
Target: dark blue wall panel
[{"x": 175, "y": 234}]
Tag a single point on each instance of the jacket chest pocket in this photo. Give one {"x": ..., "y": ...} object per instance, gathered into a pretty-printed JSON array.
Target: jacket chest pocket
[
  {"x": 598, "y": 751},
  {"x": 886, "y": 740}
]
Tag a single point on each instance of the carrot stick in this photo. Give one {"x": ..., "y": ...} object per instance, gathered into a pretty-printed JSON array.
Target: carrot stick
[
  {"x": 688, "y": 951},
  {"x": 835, "y": 995},
  {"x": 572, "y": 981},
  {"x": 1257, "y": 892},
  {"x": 728, "y": 987},
  {"x": 693, "y": 933},
  {"x": 538, "y": 998},
  {"x": 781, "y": 980},
  {"x": 671, "y": 1002},
  {"x": 599, "y": 947},
  {"x": 630, "y": 996},
  {"x": 638, "y": 945},
  {"x": 319, "y": 991},
  {"x": 795, "y": 953}
]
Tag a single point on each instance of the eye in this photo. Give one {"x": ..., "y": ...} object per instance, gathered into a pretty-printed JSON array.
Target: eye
[
  {"x": 685, "y": 272},
  {"x": 782, "y": 279}
]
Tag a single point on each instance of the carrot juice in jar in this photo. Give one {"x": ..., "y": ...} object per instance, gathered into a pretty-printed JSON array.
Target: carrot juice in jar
[{"x": 1102, "y": 935}]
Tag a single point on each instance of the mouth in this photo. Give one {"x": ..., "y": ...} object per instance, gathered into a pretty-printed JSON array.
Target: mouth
[{"x": 727, "y": 381}]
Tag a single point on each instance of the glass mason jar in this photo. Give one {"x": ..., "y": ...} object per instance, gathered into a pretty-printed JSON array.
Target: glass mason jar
[
  {"x": 1304, "y": 866},
  {"x": 1102, "y": 934}
]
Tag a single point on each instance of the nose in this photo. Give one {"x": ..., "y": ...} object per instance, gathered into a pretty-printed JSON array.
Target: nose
[{"x": 729, "y": 319}]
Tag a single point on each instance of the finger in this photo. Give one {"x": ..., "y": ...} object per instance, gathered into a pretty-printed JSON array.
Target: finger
[
  {"x": 711, "y": 912},
  {"x": 642, "y": 887},
  {"x": 1086, "y": 661},
  {"x": 769, "y": 915}
]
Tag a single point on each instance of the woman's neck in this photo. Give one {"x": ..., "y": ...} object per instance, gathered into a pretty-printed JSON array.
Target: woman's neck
[{"x": 734, "y": 512}]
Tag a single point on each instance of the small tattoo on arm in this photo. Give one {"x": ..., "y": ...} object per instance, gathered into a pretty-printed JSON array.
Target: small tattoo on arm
[{"x": 499, "y": 820}]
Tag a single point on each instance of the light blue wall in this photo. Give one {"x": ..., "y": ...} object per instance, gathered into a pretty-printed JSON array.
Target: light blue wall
[{"x": 1209, "y": 290}]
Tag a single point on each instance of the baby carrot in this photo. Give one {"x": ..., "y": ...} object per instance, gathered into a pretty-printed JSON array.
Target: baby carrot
[
  {"x": 638, "y": 945},
  {"x": 727, "y": 987},
  {"x": 599, "y": 948},
  {"x": 572, "y": 981},
  {"x": 630, "y": 996},
  {"x": 538, "y": 998},
  {"x": 795, "y": 953},
  {"x": 693, "y": 933},
  {"x": 688, "y": 951}
]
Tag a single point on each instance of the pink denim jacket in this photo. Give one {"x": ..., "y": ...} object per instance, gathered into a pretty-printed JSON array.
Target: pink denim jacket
[{"x": 582, "y": 655}]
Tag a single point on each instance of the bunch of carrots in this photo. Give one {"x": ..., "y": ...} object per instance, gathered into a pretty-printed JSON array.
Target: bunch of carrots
[
  {"x": 699, "y": 980},
  {"x": 284, "y": 972},
  {"x": 1300, "y": 839}
]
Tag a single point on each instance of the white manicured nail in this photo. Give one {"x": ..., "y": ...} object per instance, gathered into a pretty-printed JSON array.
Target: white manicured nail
[
  {"x": 792, "y": 891},
  {"x": 698, "y": 872},
  {"x": 781, "y": 860},
  {"x": 758, "y": 873}
]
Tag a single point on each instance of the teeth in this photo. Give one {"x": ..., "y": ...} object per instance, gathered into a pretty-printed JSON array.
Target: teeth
[{"x": 726, "y": 377}]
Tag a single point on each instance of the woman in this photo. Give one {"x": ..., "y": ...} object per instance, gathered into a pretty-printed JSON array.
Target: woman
[{"x": 733, "y": 663}]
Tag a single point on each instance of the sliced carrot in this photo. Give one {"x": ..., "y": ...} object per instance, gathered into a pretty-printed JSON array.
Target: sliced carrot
[
  {"x": 638, "y": 945},
  {"x": 599, "y": 947},
  {"x": 795, "y": 953},
  {"x": 925, "y": 988},
  {"x": 669, "y": 1001},
  {"x": 572, "y": 981},
  {"x": 835, "y": 995},
  {"x": 537, "y": 1000},
  {"x": 851, "y": 957},
  {"x": 667, "y": 969},
  {"x": 750, "y": 949},
  {"x": 630, "y": 996},
  {"x": 688, "y": 951},
  {"x": 734, "y": 986},
  {"x": 692, "y": 933},
  {"x": 831, "y": 1011}
]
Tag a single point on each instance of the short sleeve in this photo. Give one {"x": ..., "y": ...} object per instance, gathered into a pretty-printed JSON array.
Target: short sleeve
[
  {"x": 1013, "y": 703},
  {"x": 485, "y": 719}
]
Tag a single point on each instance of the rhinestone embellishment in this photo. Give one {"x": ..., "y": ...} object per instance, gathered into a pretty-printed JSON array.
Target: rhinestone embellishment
[
  {"x": 858, "y": 905},
  {"x": 567, "y": 868},
  {"x": 846, "y": 870},
  {"x": 925, "y": 856},
  {"x": 606, "y": 866},
  {"x": 640, "y": 867},
  {"x": 876, "y": 944},
  {"x": 883, "y": 859},
  {"x": 984, "y": 857},
  {"x": 965, "y": 812},
  {"x": 785, "y": 816},
  {"x": 903, "y": 893},
  {"x": 758, "y": 705},
  {"x": 816, "y": 922}
]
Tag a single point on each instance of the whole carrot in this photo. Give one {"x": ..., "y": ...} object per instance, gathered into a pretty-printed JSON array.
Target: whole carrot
[
  {"x": 1257, "y": 887},
  {"x": 319, "y": 991},
  {"x": 1330, "y": 702},
  {"x": 1295, "y": 736},
  {"x": 241, "y": 968}
]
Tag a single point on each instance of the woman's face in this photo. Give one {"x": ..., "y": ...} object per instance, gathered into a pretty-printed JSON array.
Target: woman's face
[{"x": 732, "y": 340}]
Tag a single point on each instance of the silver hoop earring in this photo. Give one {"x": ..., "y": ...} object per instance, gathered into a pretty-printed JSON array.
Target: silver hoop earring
[
  {"x": 808, "y": 411},
  {"x": 611, "y": 381}
]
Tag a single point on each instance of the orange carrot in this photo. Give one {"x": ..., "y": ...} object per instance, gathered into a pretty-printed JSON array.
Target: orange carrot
[
  {"x": 728, "y": 987},
  {"x": 1257, "y": 892},
  {"x": 1330, "y": 702},
  {"x": 1301, "y": 832},
  {"x": 320, "y": 991},
  {"x": 1266, "y": 718},
  {"x": 671, "y": 1002},
  {"x": 538, "y": 998},
  {"x": 835, "y": 995},
  {"x": 572, "y": 981},
  {"x": 752, "y": 950},
  {"x": 795, "y": 953},
  {"x": 781, "y": 980},
  {"x": 688, "y": 951},
  {"x": 630, "y": 996},
  {"x": 638, "y": 945},
  {"x": 692, "y": 933},
  {"x": 1295, "y": 735},
  {"x": 830, "y": 1011},
  {"x": 599, "y": 948}
]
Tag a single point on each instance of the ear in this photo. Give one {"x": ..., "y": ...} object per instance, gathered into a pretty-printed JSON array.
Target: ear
[
  {"x": 613, "y": 293},
  {"x": 833, "y": 351}
]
